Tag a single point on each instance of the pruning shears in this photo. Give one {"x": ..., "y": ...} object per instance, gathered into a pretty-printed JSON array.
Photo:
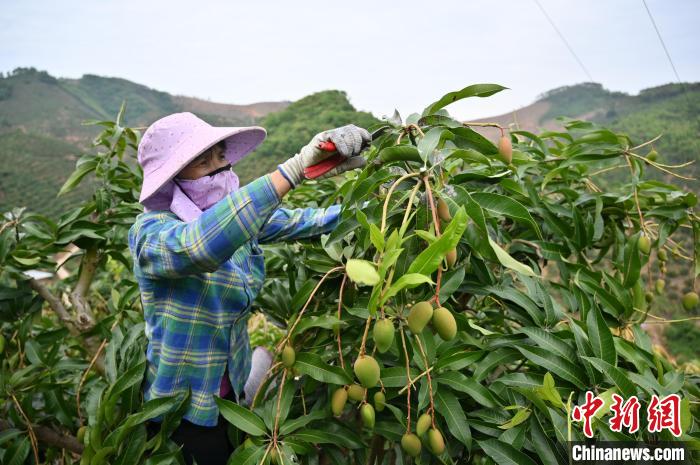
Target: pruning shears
[{"x": 331, "y": 162}]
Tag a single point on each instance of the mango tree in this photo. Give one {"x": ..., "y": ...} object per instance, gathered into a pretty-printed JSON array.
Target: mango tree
[{"x": 470, "y": 296}]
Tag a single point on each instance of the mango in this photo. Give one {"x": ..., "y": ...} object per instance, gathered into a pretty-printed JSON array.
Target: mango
[
  {"x": 443, "y": 210},
  {"x": 505, "y": 148},
  {"x": 379, "y": 401},
  {"x": 338, "y": 400},
  {"x": 444, "y": 323},
  {"x": 451, "y": 258},
  {"x": 411, "y": 444},
  {"x": 690, "y": 300},
  {"x": 367, "y": 414},
  {"x": 383, "y": 334},
  {"x": 648, "y": 296},
  {"x": 436, "y": 443},
  {"x": 288, "y": 356},
  {"x": 248, "y": 443},
  {"x": 356, "y": 392},
  {"x": 644, "y": 244},
  {"x": 662, "y": 255},
  {"x": 652, "y": 155},
  {"x": 660, "y": 285},
  {"x": 367, "y": 371},
  {"x": 419, "y": 316},
  {"x": 81, "y": 433},
  {"x": 423, "y": 423}
]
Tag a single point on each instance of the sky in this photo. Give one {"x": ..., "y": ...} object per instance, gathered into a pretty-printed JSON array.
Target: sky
[{"x": 385, "y": 55}]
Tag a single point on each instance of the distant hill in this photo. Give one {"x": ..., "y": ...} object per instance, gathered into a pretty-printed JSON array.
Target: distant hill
[{"x": 41, "y": 135}]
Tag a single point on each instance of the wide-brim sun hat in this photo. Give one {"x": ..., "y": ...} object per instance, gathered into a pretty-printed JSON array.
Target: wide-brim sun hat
[{"x": 172, "y": 142}]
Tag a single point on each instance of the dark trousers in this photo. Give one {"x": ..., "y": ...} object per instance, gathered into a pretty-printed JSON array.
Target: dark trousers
[{"x": 208, "y": 445}]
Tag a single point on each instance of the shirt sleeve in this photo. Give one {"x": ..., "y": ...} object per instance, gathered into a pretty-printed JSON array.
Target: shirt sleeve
[
  {"x": 165, "y": 247},
  {"x": 299, "y": 223}
]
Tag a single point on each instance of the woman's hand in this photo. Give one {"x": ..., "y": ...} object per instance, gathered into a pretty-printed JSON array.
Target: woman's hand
[{"x": 349, "y": 141}]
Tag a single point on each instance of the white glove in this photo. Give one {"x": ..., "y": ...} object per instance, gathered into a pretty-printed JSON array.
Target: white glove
[
  {"x": 349, "y": 141},
  {"x": 261, "y": 362}
]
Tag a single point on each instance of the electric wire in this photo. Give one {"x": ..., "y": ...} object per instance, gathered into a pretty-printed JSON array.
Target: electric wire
[
  {"x": 663, "y": 45},
  {"x": 563, "y": 39}
]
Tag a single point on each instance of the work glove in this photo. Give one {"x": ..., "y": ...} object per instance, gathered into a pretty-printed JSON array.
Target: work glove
[
  {"x": 261, "y": 362},
  {"x": 349, "y": 141}
]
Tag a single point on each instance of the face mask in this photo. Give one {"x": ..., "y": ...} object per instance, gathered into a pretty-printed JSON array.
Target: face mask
[{"x": 192, "y": 196}]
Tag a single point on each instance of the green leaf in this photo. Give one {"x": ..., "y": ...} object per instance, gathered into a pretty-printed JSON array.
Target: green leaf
[
  {"x": 504, "y": 454},
  {"x": 632, "y": 266},
  {"x": 447, "y": 405},
  {"x": 311, "y": 364},
  {"x": 600, "y": 337},
  {"x": 406, "y": 281},
  {"x": 543, "y": 446},
  {"x": 82, "y": 169},
  {"x": 241, "y": 417},
  {"x": 362, "y": 272},
  {"x": 475, "y": 90},
  {"x": 549, "y": 392},
  {"x": 469, "y": 386},
  {"x": 520, "y": 416},
  {"x": 500, "y": 205},
  {"x": 293, "y": 425},
  {"x": 509, "y": 262},
  {"x": 432, "y": 140},
  {"x": 247, "y": 456},
  {"x": 429, "y": 259},
  {"x": 617, "y": 376},
  {"x": 561, "y": 367}
]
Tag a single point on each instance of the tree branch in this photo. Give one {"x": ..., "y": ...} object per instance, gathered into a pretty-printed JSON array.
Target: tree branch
[
  {"x": 50, "y": 437},
  {"x": 88, "y": 266}
]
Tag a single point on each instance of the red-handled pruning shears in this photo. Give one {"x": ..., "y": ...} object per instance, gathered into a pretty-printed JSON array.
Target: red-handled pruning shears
[{"x": 331, "y": 162}]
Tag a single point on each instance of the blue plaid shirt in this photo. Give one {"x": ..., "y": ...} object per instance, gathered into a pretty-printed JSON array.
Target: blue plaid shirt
[{"x": 198, "y": 281}]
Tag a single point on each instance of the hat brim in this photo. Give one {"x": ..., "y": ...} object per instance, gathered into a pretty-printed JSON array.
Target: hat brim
[{"x": 240, "y": 141}]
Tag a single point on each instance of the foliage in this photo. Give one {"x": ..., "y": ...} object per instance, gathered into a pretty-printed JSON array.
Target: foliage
[{"x": 545, "y": 294}]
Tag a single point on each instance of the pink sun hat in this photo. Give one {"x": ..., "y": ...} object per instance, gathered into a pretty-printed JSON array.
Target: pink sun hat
[{"x": 172, "y": 142}]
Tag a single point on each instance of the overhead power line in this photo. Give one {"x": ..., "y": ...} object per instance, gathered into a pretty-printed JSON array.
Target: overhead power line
[
  {"x": 663, "y": 44},
  {"x": 563, "y": 39}
]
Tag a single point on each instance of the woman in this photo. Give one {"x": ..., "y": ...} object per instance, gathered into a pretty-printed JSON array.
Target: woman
[{"x": 199, "y": 266}]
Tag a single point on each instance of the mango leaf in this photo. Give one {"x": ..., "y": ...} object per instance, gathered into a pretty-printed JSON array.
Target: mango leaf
[
  {"x": 504, "y": 454},
  {"x": 432, "y": 140},
  {"x": 447, "y": 405},
  {"x": 362, "y": 272},
  {"x": 241, "y": 417},
  {"x": 247, "y": 456},
  {"x": 500, "y": 205},
  {"x": 429, "y": 259},
  {"x": 600, "y": 337},
  {"x": 617, "y": 376},
  {"x": 311, "y": 364},
  {"x": 520, "y": 416},
  {"x": 469, "y": 386},
  {"x": 406, "y": 281},
  {"x": 558, "y": 365},
  {"x": 508, "y": 261},
  {"x": 475, "y": 90},
  {"x": 632, "y": 265},
  {"x": 83, "y": 167}
]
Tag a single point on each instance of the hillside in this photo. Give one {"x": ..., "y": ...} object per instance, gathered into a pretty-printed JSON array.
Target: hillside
[{"x": 41, "y": 135}]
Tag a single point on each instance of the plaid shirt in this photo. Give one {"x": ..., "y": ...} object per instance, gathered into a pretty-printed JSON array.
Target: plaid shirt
[{"x": 198, "y": 281}]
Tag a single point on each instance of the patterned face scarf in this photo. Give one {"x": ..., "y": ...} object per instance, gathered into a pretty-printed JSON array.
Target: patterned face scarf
[{"x": 192, "y": 196}]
